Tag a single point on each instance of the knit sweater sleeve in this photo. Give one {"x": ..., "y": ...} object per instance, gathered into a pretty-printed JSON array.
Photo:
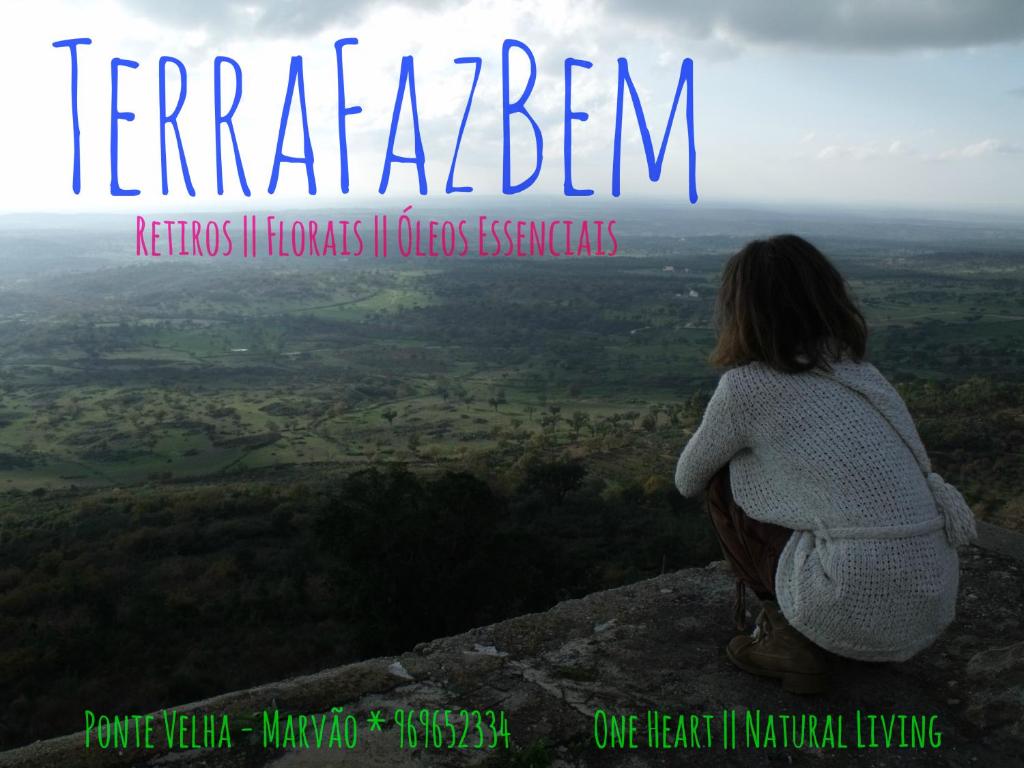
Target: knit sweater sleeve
[{"x": 718, "y": 438}]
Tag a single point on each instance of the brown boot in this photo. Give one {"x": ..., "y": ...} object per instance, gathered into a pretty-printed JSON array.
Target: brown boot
[{"x": 777, "y": 650}]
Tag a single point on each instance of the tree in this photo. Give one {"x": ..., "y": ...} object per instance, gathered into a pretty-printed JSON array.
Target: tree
[
  {"x": 578, "y": 420},
  {"x": 497, "y": 399},
  {"x": 402, "y": 546},
  {"x": 389, "y": 415},
  {"x": 554, "y": 479}
]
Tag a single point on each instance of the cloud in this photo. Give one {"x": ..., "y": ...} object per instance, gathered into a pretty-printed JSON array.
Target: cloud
[
  {"x": 261, "y": 18},
  {"x": 843, "y": 25},
  {"x": 839, "y": 25},
  {"x": 982, "y": 148},
  {"x": 843, "y": 152},
  {"x": 895, "y": 148},
  {"x": 898, "y": 148},
  {"x": 1019, "y": 92}
]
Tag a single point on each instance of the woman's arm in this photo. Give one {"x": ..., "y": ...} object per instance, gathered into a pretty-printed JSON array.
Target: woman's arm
[{"x": 716, "y": 441}]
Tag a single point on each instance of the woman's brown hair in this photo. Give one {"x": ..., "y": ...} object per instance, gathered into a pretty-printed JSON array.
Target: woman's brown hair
[{"x": 784, "y": 304}]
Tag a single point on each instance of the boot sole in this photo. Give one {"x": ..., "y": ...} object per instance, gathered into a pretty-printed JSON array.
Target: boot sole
[{"x": 792, "y": 682}]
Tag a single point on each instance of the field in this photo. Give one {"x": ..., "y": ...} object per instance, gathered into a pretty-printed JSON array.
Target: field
[{"x": 158, "y": 372}]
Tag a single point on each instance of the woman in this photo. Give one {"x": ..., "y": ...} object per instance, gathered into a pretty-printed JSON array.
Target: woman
[{"x": 817, "y": 483}]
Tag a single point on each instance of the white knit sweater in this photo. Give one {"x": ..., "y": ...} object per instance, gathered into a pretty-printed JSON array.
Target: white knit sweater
[{"x": 871, "y": 571}]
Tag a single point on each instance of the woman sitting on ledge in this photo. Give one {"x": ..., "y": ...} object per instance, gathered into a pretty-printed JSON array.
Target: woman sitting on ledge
[{"x": 816, "y": 481}]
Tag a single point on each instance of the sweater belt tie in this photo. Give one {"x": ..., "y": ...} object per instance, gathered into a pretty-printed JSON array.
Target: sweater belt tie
[
  {"x": 955, "y": 517},
  {"x": 958, "y": 519},
  {"x": 885, "y": 531}
]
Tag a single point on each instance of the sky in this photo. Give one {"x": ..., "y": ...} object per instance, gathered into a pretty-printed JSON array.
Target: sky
[{"x": 915, "y": 104}]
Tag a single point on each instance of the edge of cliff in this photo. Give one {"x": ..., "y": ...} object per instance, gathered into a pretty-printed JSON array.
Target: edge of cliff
[{"x": 652, "y": 645}]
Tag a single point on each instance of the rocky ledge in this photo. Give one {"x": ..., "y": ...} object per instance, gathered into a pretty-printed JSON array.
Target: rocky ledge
[{"x": 655, "y": 645}]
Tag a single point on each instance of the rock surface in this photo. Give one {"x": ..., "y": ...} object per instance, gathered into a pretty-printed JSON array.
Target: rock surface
[{"x": 655, "y": 644}]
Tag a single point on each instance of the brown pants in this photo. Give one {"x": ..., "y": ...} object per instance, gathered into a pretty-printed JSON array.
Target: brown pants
[{"x": 752, "y": 548}]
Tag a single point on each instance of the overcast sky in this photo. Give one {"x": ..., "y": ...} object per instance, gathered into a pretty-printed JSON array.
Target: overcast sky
[{"x": 915, "y": 103}]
